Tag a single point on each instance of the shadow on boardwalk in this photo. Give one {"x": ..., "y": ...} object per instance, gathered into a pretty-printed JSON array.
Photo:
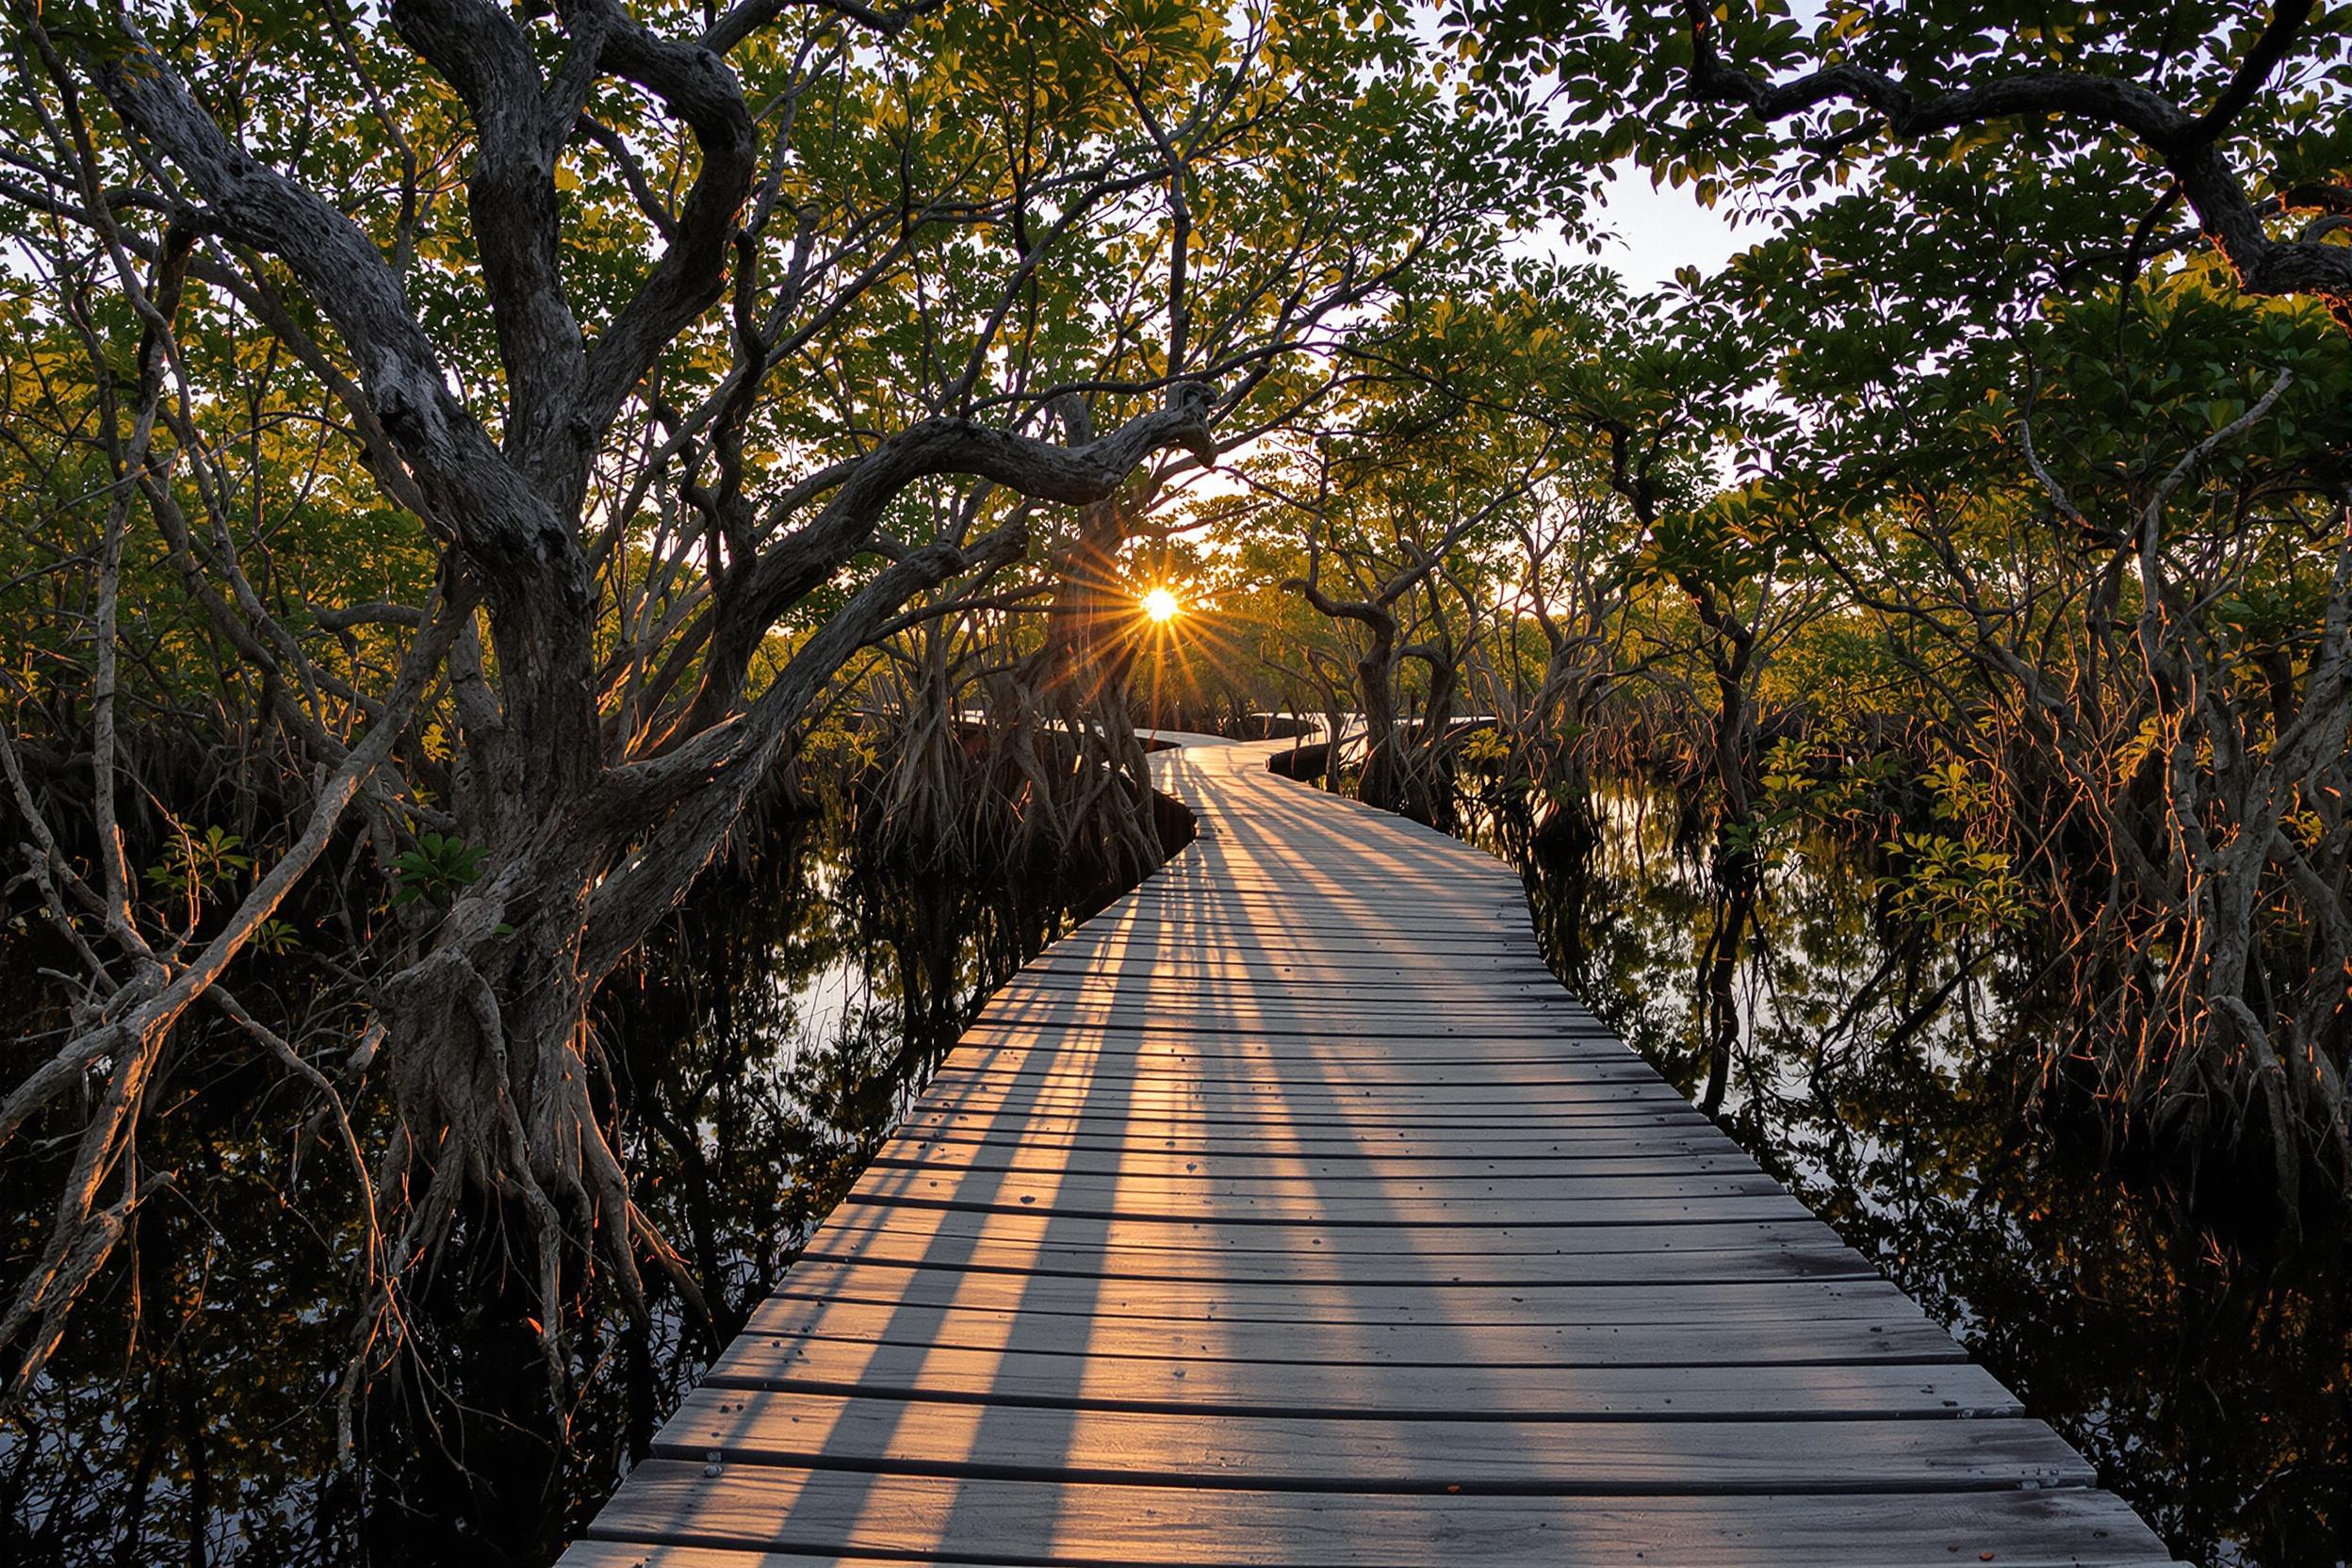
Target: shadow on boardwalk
[{"x": 1289, "y": 1211}]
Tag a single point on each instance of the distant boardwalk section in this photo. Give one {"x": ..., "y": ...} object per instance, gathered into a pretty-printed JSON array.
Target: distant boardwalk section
[{"x": 1290, "y": 1212}]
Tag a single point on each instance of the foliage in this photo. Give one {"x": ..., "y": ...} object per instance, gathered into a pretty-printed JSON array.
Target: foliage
[{"x": 436, "y": 870}]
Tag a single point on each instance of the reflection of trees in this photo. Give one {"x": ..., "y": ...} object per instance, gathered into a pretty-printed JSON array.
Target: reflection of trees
[
  {"x": 759, "y": 1049},
  {"x": 1883, "y": 1076}
]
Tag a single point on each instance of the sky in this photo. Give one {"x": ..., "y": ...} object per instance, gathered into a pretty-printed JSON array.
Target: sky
[{"x": 1660, "y": 230}]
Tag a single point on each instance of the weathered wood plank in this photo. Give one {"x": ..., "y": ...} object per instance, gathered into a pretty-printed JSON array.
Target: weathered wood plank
[
  {"x": 1698, "y": 1142},
  {"x": 1906, "y": 1337},
  {"x": 1291, "y": 1301},
  {"x": 1310, "y": 1089},
  {"x": 1308, "y": 1097},
  {"x": 1305, "y": 1236},
  {"x": 1245, "y": 1060},
  {"x": 1322, "y": 1005},
  {"x": 1114, "y": 1203},
  {"x": 1076, "y": 961},
  {"x": 844, "y": 1511},
  {"x": 1357, "y": 1264},
  {"x": 1670, "y": 1157},
  {"x": 1175, "y": 1131},
  {"x": 1303, "y": 1071},
  {"x": 1137, "y": 1014},
  {"x": 1149, "y": 1123},
  {"x": 627, "y": 1554},
  {"x": 1206, "y": 1193},
  {"x": 1550, "y": 1394},
  {"x": 1110, "y": 1041},
  {"x": 1479, "y": 1455},
  {"x": 1314, "y": 1095},
  {"x": 1088, "y": 1040},
  {"x": 1260, "y": 954}
]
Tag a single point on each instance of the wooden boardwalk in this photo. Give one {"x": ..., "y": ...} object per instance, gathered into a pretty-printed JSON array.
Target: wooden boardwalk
[{"x": 1290, "y": 1212}]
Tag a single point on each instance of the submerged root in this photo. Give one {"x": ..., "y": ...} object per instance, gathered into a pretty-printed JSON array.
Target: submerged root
[
  {"x": 498, "y": 1121},
  {"x": 2196, "y": 1086}
]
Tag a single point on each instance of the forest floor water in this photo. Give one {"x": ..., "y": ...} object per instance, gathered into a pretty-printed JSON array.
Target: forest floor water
[
  {"x": 763, "y": 1044},
  {"x": 2207, "y": 1378}
]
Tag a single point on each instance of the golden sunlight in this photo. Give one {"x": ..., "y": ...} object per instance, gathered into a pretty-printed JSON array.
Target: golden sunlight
[{"x": 1161, "y": 605}]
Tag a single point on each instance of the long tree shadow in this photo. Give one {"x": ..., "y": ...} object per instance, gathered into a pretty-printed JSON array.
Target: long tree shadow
[{"x": 1265, "y": 1222}]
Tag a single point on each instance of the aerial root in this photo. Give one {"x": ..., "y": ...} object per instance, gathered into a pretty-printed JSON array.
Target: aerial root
[{"x": 86, "y": 1227}]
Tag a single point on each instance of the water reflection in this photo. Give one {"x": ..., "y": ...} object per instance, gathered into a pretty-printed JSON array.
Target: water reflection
[
  {"x": 758, "y": 1051},
  {"x": 1888, "y": 1079}
]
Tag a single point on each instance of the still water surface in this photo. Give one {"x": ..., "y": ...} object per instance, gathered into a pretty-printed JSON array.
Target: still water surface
[
  {"x": 760, "y": 1048},
  {"x": 2209, "y": 1380}
]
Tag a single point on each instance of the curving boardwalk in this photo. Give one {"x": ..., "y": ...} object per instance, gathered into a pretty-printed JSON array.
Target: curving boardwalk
[{"x": 1290, "y": 1212}]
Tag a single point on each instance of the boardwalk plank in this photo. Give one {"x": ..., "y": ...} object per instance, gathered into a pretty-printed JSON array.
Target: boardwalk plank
[
  {"x": 1904, "y": 1337},
  {"x": 831, "y": 1511},
  {"x": 1306, "y": 1237},
  {"x": 1114, "y": 1203},
  {"x": 1262, "y": 1063},
  {"x": 1287, "y": 1150},
  {"x": 1472, "y": 1125},
  {"x": 1328, "y": 1454},
  {"x": 1559, "y": 1134},
  {"x": 1310, "y": 1263},
  {"x": 1676, "y": 1156},
  {"x": 1550, "y": 1394},
  {"x": 1290, "y": 1301},
  {"x": 1305, "y": 1098},
  {"x": 1217, "y": 1193}
]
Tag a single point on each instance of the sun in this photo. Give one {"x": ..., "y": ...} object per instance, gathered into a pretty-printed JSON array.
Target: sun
[{"x": 1161, "y": 605}]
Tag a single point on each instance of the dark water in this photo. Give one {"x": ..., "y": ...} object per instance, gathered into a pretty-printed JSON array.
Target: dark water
[
  {"x": 2209, "y": 1382},
  {"x": 759, "y": 1048}
]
